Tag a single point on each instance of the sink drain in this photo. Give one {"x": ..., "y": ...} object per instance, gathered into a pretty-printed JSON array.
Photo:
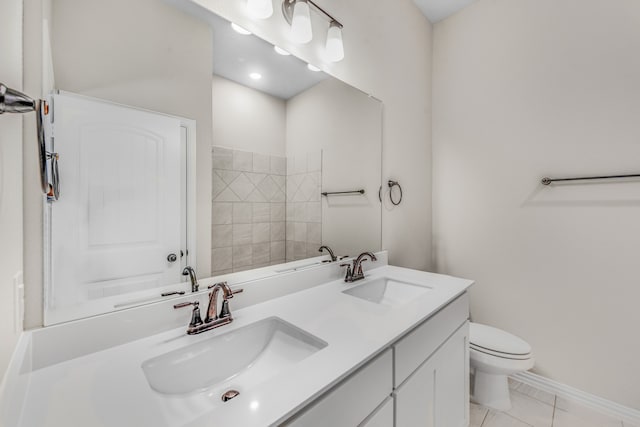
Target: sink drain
[{"x": 228, "y": 395}]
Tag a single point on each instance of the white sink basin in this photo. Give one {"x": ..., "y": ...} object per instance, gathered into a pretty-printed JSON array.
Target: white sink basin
[
  {"x": 248, "y": 355},
  {"x": 388, "y": 291}
]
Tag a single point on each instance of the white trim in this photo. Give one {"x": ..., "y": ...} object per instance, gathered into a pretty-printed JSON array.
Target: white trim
[
  {"x": 591, "y": 401},
  {"x": 190, "y": 126}
]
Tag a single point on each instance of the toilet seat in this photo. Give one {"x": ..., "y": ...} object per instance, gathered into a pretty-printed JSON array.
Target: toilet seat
[
  {"x": 500, "y": 354},
  {"x": 498, "y": 343},
  {"x": 499, "y": 365}
]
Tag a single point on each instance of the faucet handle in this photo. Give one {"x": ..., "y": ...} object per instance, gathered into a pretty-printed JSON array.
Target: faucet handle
[
  {"x": 349, "y": 275},
  {"x": 237, "y": 291},
  {"x": 215, "y": 284},
  {"x": 196, "y": 320},
  {"x": 224, "y": 311}
]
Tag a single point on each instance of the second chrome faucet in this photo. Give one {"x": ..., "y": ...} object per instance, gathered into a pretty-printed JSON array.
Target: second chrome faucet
[{"x": 355, "y": 273}]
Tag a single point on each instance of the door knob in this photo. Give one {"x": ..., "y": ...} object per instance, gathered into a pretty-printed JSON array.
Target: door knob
[{"x": 172, "y": 257}]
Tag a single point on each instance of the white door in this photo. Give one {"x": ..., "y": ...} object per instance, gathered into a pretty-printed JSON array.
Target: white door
[{"x": 118, "y": 218}]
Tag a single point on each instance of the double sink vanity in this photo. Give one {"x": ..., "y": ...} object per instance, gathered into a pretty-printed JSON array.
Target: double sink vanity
[{"x": 306, "y": 349}]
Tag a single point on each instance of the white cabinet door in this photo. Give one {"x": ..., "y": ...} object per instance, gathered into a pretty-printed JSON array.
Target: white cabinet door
[
  {"x": 437, "y": 393},
  {"x": 452, "y": 381},
  {"x": 383, "y": 417},
  {"x": 119, "y": 213},
  {"x": 415, "y": 399}
]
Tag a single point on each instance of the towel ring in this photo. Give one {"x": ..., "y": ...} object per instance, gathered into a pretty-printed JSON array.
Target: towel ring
[{"x": 391, "y": 184}]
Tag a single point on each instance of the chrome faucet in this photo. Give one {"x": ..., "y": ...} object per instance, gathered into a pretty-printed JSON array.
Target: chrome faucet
[
  {"x": 333, "y": 256},
  {"x": 189, "y": 271},
  {"x": 213, "y": 319},
  {"x": 356, "y": 273}
]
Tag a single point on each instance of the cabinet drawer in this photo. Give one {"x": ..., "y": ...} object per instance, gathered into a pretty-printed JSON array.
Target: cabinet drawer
[
  {"x": 415, "y": 347},
  {"x": 353, "y": 400}
]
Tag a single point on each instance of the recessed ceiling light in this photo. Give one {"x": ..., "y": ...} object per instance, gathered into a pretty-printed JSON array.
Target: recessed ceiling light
[
  {"x": 255, "y": 76},
  {"x": 281, "y": 51},
  {"x": 239, "y": 29},
  {"x": 313, "y": 67}
]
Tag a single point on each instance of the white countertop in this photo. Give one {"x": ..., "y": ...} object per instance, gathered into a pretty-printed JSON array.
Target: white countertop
[{"x": 108, "y": 388}]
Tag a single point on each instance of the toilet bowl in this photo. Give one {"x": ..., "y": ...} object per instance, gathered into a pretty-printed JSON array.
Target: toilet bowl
[{"x": 494, "y": 355}]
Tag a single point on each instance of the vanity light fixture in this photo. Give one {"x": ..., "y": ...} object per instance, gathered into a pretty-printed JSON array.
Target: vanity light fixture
[
  {"x": 255, "y": 76},
  {"x": 260, "y": 9},
  {"x": 301, "y": 31},
  {"x": 296, "y": 12},
  {"x": 281, "y": 51},
  {"x": 313, "y": 68},
  {"x": 238, "y": 29},
  {"x": 334, "y": 48}
]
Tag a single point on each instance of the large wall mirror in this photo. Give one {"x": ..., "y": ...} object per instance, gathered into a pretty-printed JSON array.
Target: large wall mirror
[{"x": 145, "y": 88}]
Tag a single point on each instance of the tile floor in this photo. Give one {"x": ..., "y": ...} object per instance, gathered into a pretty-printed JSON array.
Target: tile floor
[{"x": 535, "y": 408}]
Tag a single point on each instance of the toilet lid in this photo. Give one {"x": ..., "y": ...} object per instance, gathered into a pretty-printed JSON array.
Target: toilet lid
[{"x": 496, "y": 340}]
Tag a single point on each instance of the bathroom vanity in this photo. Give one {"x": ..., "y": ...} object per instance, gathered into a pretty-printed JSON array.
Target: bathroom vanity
[{"x": 309, "y": 351}]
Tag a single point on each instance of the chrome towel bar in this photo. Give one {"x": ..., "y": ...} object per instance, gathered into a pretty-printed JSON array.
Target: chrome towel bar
[
  {"x": 547, "y": 180},
  {"x": 331, "y": 193}
]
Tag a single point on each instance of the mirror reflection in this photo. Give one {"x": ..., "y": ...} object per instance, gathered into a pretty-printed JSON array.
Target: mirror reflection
[{"x": 188, "y": 85}]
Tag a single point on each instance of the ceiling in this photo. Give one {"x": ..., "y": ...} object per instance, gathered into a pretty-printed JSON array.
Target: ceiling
[
  {"x": 437, "y": 10},
  {"x": 236, "y": 56}
]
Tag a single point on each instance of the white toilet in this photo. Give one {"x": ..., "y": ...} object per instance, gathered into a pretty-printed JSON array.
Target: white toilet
[{"x": 496, "y": 354}]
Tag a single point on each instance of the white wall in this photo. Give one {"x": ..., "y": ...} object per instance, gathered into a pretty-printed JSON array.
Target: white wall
[
  {"x": 522, "y": 90},
  {"x": 10, "y": 178},
  {"x": 247, "y": 119},
  {"x": 145, "y": 54},
  {"x": 388, "y": 54},
  {"x": 344, "y": 124}
]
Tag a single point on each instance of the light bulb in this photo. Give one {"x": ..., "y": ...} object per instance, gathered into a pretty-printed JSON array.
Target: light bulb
[
  {"x": 313, "y": 68},
  {"x": 335, "y": 48},
  {"x": 301, "y": 23},
  {"x": 238, "y": 29},
  {"x": 281, "y": 51},
  {"x": 260, "y": 9},
  {"x": 255, "y": 76}
]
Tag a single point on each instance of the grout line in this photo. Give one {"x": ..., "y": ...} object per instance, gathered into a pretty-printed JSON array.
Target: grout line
[
  {"x": 486, "y": 414},
  {"x": 516, "y": 418},
  {"x": 528, "y": 396}
]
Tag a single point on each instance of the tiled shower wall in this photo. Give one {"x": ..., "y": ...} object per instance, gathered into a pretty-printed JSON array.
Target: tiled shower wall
[
  {"x": 304, "y": 211},
  {"x": 259, "y": 203},
  {"x": 248, "y": 210}
]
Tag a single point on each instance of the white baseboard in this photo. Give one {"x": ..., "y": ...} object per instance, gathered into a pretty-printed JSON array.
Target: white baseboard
[{"x": 589, "y": 400}]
